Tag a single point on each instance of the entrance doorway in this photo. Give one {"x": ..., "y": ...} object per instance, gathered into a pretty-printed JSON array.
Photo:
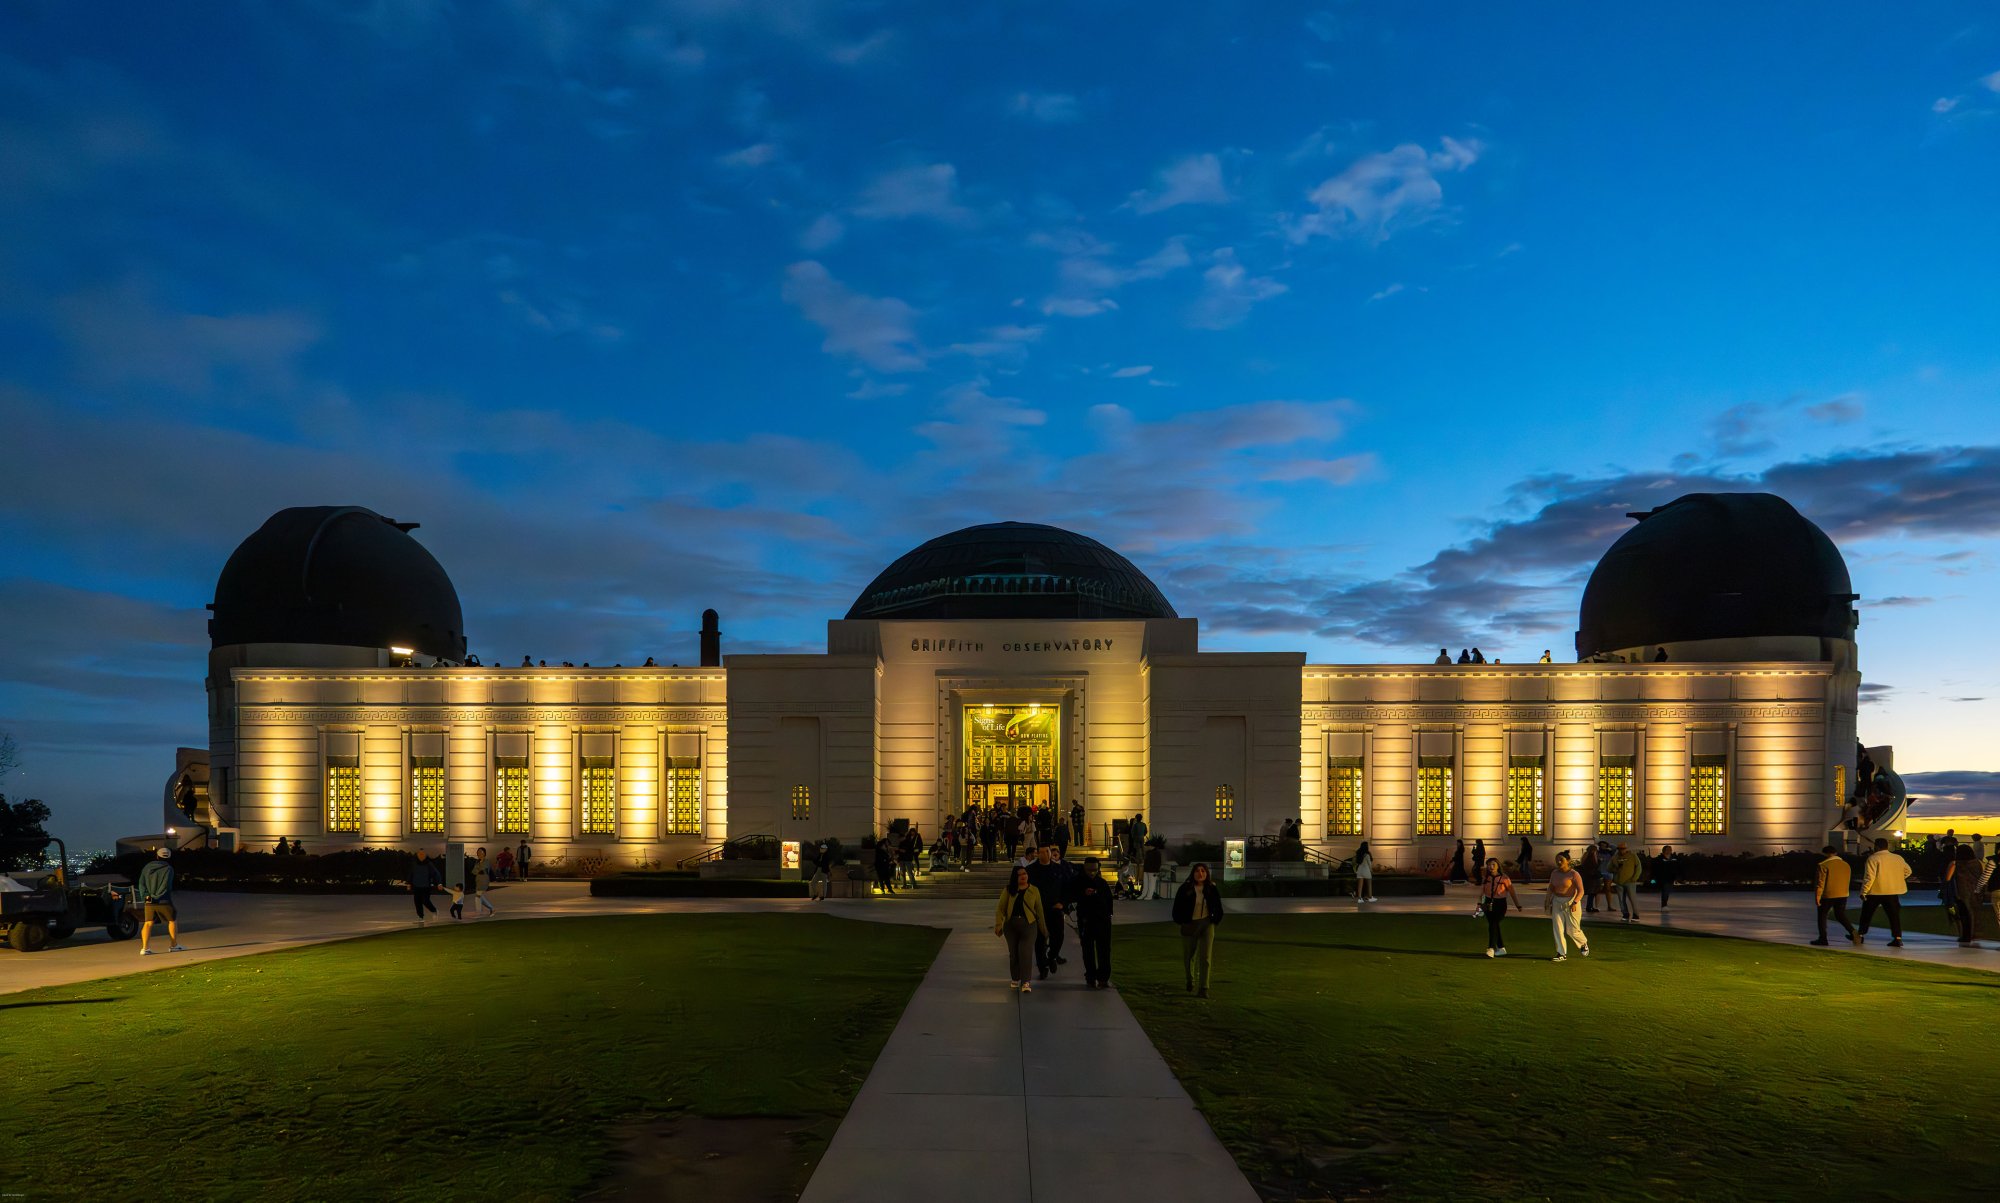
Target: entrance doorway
[{"x": 1012, "y": 754}]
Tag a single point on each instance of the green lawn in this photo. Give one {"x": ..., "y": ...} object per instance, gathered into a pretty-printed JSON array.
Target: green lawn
[
  {"x": 491, "y": 1061},
  {"x": 1371, "y": 1056}
]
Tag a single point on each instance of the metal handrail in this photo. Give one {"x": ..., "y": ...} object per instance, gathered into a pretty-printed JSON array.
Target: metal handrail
[{"x": 715, "y": 852}]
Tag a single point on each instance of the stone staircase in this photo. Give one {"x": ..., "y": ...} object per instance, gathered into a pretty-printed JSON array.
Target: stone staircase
[{"x": 985, "y": 881}]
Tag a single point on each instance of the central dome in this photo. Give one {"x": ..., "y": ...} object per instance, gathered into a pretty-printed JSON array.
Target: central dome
[{"x": 1011, "y": 570}]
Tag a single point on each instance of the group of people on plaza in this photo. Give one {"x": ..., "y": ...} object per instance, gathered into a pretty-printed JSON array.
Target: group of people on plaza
[
  {"x": 1966, "y": 885},
  {"x": 1607, "y": 872},
  {"x": 1042, "y": 896},
  {"x": 427, "y": 877}
]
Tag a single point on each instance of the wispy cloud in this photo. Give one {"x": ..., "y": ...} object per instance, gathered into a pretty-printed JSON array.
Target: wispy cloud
[
  {"x": 1229, "y": 292},
  {"x": 1088, "y": 271},
  {"x": 929, "y": 191},
  {"x": 1055, "y": 108},
  {"x": 878, "y": 331},
  {"x": 1142, "y": 369},
  {"x": 1381, "y": 193},
  {"x": 1194, "y": 180}
]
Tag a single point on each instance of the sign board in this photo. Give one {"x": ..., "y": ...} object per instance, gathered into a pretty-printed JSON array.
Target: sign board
[
  {"x": 788, "y": 860},
  {"x": 1233, "y": 858}
]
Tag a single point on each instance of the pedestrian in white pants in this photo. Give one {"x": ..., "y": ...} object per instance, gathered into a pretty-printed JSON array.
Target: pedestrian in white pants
[{"x": 1564, "y": 903}]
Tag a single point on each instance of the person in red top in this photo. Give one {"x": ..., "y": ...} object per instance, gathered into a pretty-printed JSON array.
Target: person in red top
[
  {"x": 1496, "y": 890},
  {"x": 505, "y": 863}
]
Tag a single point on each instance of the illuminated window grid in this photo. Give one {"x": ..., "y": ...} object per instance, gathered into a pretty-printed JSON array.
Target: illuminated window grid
[
  {"x": 1343, "y": 794},
  {"x": 427, "y": 795},
  {"x": 510, "y": 796},
  {"x": 1524, "y": 795},
  {"x": 1616, "y": 786},
  {"x": 600, "y": 796},
  {"x": 1708, "y": 795},
  {"x": 802, "y": 802},
  {"x": 683, "y": 798},
  {"x": 1840, "y": 785},
  {"x": 1225, "y": 803},
  {"x": 1434, "y": 798},
  {"x": 343, "y": 797}
]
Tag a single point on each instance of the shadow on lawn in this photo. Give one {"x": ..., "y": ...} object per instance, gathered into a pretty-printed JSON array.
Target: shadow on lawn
[
  {"x": 1476, "y": 954},
  {"x": 58, "y": 1002}
]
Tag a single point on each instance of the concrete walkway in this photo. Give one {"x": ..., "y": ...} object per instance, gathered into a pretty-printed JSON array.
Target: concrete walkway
[{"x": 985, "y": 1094}]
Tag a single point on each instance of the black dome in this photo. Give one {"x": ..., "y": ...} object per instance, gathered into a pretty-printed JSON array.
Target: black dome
[
  {"x": 1011, "y": 570},
  {"x": 340, "y": 575},
  {"x": 1716, "y": 566}
]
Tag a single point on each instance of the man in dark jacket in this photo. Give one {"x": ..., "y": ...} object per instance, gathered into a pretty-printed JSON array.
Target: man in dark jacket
[
  {"x": 423, "y": 879},
  {"x": 1076, "y": 822},
  {"x": 154, "y": 895},
  {"x": 1093, "y": 924},
  {"x": 1051, "y": 881}
]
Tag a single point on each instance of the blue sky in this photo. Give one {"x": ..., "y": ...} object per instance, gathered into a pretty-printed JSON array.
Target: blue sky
[{"x": 1360, "y": 328}]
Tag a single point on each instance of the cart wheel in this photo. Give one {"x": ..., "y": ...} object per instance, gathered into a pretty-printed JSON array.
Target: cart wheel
[
  {"x": 62, "y": 931},
  {"x": 124, "y": 927},
  {"x": 30, "y": 935}
]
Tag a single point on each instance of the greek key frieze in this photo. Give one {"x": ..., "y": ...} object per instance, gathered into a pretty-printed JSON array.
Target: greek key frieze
[
  {"x": 484, "y": 714},
  {"x": 1606, "y": 712}
]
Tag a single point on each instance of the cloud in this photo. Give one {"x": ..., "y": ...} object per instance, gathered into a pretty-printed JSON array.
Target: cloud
[
  {"x": 1380, "y": 193},
  {"x": 124, "y": 335},
  {"x": 1055, "y": 108},
  {"x": 878, "y": 331},
  {"x": 1143, "y": 369},
  {"x": 1229, "y": 292},
  {"x": 757, "y": 154},
  {"x": 1751, "y": 427},
  {"x": 1970, "y": 792},
  {"x": 929, "y": 192},
  {"x": 1840, "y": 410},
  {"x": 1898, "y": 601},
  {"x": 1944, "y": 104},
  {"x": 1991, "y": 82},
  {"x": 876, "y": 44},
  {"x": 1088, "y": 271},
  {"x": 1194, "y": 180},
  {"x": 825, "y": 231},
  {"x": 1341, "y": 470},
  {"x": 1386, "y": 293},
  {"x": 1000, "y": 342}
]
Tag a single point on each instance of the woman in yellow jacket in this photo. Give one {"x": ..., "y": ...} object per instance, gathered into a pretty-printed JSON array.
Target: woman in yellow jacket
[{"x": 1019, "y": 918}]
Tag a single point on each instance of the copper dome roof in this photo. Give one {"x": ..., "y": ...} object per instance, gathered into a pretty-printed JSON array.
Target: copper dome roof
[{"x": 1011, "y": 570}]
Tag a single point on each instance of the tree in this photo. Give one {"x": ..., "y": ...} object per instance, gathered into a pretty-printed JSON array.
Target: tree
[
  {"x": 23, "y": 831},
  {"x": 10, "y": 754}
]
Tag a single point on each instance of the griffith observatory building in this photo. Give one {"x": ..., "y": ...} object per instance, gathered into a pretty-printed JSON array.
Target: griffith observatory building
[{"x": 1022, "y": 662}]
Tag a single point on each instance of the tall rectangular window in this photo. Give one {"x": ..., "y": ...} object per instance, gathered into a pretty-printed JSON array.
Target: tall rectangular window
[
  {"x": 600, "y": 796},
  {"x": 1708, "y": 795},
  {"x": 1616, "y": 787},
  {"x": 510, "y": 796},
  {"x": 1524, "y": 795},
  {"x": 683, "y": 797},
  {"x": 427, "y": 795},
  {"x": 343, "y": 795},
  {"x": 802, "y": 802},
  {"x": 1840, "y": 785},
  {"x": 1225, "y": 802},
  {"x": 1434, "y": 800},
  {"x": 1343, "y": 795}
]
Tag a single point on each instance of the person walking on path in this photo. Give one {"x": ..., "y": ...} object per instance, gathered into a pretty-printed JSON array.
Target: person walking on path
[
  {"x": 1593, "y": 872},
  {"x": 480, "y": 876},
  {"x": 521, "y": 855},
  {"x": 1564, "y": 904},
  {"x": 1364, "y": 874},
  {"x": 821, "y": 885},
  {"x": 1496, "y": 889},
  {"x": 1076, "y": 822},
  {"x": 1094, "y": 898},
  {"x": 1051, "y": 882},
  {"x": 1831, "y": 885},
  {"x": 1885, "y": 878},
  {"x": 1965, "y": 875},
  {"x": 885, "y": 867},
  {"x": 1527, "y": 861},
  {"x": 423, "y": 879},
  {"x": 1457, "y": 872},
  {"x": 1666, "y": 871},
  {"x": 1198, "y": 910},
  {"x": 1479, "y": 855},
  {"x": 1627, "y": 869},
  {"x": 155, "y": 893},
  {"x": 1019, "y": 920},
  {"x": 1012, "y": 824}
]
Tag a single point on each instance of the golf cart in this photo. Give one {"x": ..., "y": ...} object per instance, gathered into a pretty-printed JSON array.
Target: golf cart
[{"x": 49, "y": 903}]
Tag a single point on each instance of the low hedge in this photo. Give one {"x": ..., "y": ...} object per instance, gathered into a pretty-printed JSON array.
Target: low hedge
[
  {"x": 677, "y": 885},
  {"x": 356, "y": 869}
]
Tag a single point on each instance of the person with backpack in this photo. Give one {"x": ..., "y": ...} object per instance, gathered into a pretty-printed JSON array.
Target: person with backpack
[
  {"x": 155, "y": 895},
  {"x": 1496, "y": 890}
]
